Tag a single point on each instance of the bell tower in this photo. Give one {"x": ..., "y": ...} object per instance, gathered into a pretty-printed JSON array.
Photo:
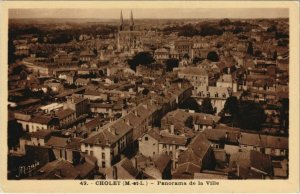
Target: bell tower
[
  {"x": 121, "y": 27},
  {"x": 131, "y": 21}
]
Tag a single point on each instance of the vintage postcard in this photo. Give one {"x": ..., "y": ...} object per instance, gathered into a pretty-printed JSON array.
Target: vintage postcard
[{"x": 141, "y": 96}]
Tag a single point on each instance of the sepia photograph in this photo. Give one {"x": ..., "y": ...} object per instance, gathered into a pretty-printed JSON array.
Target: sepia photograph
[{"x": 141, "y": 93}]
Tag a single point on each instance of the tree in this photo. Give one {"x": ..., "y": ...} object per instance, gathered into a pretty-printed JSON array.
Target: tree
[
  {"x": 251, "y": 115},
  {"x": 213, "y": 56},
  {"x": 197, "y": 60},
  {"x": 145, "y": 91},
  {"x": 142, "y": 58},
  {"x": 207, "y": 107},
  {"x": 224, "y": 22},
  {"x": 186, "y": 56},
  {"x": 171, "y": 63},
  {"x": 284, "y": 113},
  {"x": 250, "y": 48},
  {"x": 191, "y": 104},
  {"x": 232, "y": 107},
  {"x": 275, "y": 55}
]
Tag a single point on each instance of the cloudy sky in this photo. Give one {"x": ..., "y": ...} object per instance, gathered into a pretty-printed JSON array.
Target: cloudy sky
[{"x": 156, "y": 13}]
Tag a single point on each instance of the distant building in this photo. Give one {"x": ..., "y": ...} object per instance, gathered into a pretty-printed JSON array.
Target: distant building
[
  {"x": 128, "y": 39},
  {"x": 76, "y": 103}
]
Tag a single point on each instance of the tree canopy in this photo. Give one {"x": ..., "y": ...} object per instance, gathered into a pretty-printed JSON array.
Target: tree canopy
[
  {"x": 213, "y": 56},
  {"x": 141, "y": 58},
  {"x": 171, "y": 63},
  {"x": 207, "y": 107}
]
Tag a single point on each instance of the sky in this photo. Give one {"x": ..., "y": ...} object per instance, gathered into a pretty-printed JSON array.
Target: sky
[{"x": 157, "y": 13}]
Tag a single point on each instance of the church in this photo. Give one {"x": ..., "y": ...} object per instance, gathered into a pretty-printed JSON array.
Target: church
[{"x": 128, "y": 38}]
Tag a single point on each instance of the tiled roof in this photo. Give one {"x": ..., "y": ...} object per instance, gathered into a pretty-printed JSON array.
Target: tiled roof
[
  {"x": 64, "y": 113},
  {"x": 57, "y": 141},
  {"x": 41, "y": 134},
  {"x": 161, "y": 161},
  {"x": 41, "y": 119}
]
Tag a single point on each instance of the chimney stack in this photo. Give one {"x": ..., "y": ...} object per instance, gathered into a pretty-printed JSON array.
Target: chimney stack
[{"x": 172, "y": 129}]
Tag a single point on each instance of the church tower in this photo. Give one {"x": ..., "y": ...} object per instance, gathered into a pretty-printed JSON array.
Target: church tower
[
  {"x": 121, "y": 22},
  {"x": 131, "y": 22}
]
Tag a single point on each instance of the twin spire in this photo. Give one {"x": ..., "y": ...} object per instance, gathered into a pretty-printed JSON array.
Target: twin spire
[{"x": 131, "y": 24}]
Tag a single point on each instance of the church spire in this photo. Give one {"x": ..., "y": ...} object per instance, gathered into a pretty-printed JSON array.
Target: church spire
[
  {"x": 121, "y": 22},
  {"x": 131, "y": 21}
]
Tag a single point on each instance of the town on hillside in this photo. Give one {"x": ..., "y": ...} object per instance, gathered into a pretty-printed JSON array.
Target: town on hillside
[{"x": 146, "y": 99}]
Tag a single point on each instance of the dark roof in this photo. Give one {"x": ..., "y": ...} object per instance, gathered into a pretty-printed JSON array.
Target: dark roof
[
  {"x": 74, "y": 144},
  {"x": 64, "y": 113},
  {"x": 188, "y": 168},
  {"x": 58, "y": 169},
  {"x": 93, "y": 123},
  {"x": 41, "y": 119},
  {"x": 84, "y": 169},
  {"x": 222, "y": 135},
  {"x": 127, "y": 165},
  {"x": 102, "y": 138},
  {"x": 41, "y": 134},
  {"x": 161, "y": 161},
  {"x": 247, "y": 159},
  {"x": 57, "y": 141}
]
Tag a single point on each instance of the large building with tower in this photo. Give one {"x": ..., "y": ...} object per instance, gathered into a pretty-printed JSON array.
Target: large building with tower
[{"x": 128, "y": 39}]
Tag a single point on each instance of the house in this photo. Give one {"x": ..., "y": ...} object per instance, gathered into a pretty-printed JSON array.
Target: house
[
  {"x": 65, "y": 117},
  {"x": 58, "y": 145},
  {"x": 158, "y": 167},
  {"x": 275, "y": 146},
  {"x": 76, "y": 103},
  {"x": 153, "y": 143},
  {"x": 217, "y": 95},
  {"x": 251, "y": 164},
  {"x": 93, "y": 125},
  {"x": 82, "y": 82},
  {"x": 197, "y": 157},
  {"x": 36, "y": 122},
  {"x": 108, "y": 144},
  {"x": 197, "y": 76},
  {"x": 177, "y": 120},
  {"x": 86, "y": 56},
  {"x": 224, "y": 138},
  {"x": 204, "y": 121},
  {"x": 161, "y": 55},
  {"x": 58, "y": 169},
  {"x": 123, "y": 170},
  {"x": 226, "y": 81},
  {"x": 40, "y": 138}
]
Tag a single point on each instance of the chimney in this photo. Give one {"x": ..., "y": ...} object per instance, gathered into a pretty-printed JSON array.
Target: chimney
[
  {"x": 135, "y": 162},
  {"x": 135, "y": 113},
  {"x": 115, "y": 172},
  {"x": 179, "y": 84},
  {"x": 226, "y": 135},
  {"x": 172, "y": 129}
]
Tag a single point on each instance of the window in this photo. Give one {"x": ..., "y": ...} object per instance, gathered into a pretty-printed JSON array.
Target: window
[
  {"x": 103, "y": 155},
  {"x": 146, "y": 138},
  {"x": 103, "y": 164},
  {"x": 92, "y": 153},
  {"x": 153, "y": 153}
]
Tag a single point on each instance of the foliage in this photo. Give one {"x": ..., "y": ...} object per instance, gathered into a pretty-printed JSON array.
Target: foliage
[
  {"x": 207, "y": 107},
  {"x": 142, "y": 58},
  {"x": 171, "y": 63},
  {"x": 213, "y": 56}
]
